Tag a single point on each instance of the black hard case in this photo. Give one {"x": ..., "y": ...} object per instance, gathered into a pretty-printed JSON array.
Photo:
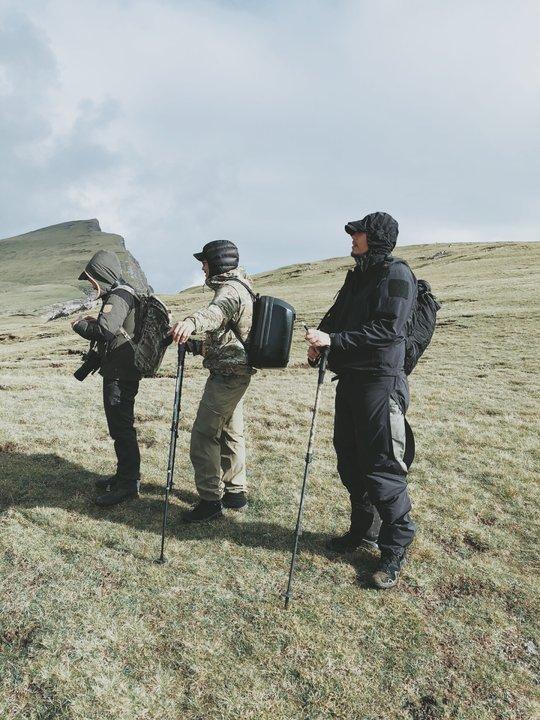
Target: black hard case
[{"x": 272, "y": 331}]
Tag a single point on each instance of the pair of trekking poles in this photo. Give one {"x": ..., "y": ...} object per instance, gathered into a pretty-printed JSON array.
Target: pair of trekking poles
[{"x": 308, "y": 461}]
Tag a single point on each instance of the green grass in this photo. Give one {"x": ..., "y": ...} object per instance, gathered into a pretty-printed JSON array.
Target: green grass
[{"x": 91, "y": 627}]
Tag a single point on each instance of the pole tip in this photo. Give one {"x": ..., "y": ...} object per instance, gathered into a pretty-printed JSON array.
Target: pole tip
[{"x": 287, "y": 597}]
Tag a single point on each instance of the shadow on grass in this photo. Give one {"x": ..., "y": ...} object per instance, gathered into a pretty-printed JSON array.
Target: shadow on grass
[{"x": 49, "y": 480}]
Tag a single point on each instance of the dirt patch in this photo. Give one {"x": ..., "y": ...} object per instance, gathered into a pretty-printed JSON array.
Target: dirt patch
[
  {"x": 69, "y": 351},
  {"x": 475, "y": 542},
  {"x": 18, "y": 637},
  {"x": 463, "y": 586},
  {"x": 426, "y": 708}
]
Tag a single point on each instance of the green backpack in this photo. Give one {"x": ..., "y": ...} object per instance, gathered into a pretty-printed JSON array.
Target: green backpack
[{"x": 152, "y": 324}]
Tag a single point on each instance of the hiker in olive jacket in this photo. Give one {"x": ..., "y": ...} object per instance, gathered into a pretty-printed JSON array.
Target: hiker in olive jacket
[
  {"x": 111, "y": 331},
  {"x": 217, "y": 439}
]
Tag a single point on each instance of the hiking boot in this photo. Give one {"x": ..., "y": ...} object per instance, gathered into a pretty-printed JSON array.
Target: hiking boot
[
  {"x": 234, "y": 500},
  {"x": 349, "y": 543},
  {"x": 204, "y": 511},
  {"x": 387, "y": 573},
  {"x": 119, "y": 492},
  {"x": 106, "y": 484}
]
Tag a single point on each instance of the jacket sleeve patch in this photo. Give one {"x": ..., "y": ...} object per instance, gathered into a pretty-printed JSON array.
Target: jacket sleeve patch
[
  {"x": 107, "y": 308},
  {"x": 399, "y": 288}
]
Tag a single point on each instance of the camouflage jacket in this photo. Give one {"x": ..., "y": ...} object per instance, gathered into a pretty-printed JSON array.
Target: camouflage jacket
[{"x": 223, "y": 352}]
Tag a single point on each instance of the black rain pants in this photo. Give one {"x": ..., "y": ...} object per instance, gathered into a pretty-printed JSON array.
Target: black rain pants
[
  {"x": 371, "y": 455},
  {"x": 119, "y": 403}
]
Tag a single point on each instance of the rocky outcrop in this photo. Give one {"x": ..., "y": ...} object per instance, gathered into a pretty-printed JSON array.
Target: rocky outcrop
[
  {"x": 133, "y": 272},
  {"x": 70, "y": 307}
]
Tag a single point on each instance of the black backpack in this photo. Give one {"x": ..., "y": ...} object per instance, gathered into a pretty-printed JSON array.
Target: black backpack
[
  {"x": 152, "y": 323},
  {"x": 421, "y": 325},
  {"x": 270, "y": 337}
]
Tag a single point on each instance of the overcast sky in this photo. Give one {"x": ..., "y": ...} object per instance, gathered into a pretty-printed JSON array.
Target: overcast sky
[{"x": 269, "y": 122}]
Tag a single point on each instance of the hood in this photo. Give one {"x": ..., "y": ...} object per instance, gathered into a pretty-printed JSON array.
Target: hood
[
  {"x": 381, "y": 229},
  {"x": 105, "y": 268},
  {"x": 217, "y": 281}
]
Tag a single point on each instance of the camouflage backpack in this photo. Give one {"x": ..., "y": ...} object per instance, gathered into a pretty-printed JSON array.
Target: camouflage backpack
[{"x": 152, "y": 323}]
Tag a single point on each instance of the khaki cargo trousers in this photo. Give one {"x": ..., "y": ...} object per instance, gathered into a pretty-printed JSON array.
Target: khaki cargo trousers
[{"x": 218, "y": 450}]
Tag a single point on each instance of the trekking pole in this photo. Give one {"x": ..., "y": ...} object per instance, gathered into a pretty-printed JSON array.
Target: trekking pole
[
  {"x": 172, "y": 446},
  {"x": 309, "y": 458}
]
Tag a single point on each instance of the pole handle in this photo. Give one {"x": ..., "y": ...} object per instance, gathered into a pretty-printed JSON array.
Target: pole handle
[{"x": 322, "y": 364}]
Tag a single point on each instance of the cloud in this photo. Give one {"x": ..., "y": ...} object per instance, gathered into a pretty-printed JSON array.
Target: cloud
[
  {"x": 271, "y": 123},
  {"x": 43, "y": 170}
]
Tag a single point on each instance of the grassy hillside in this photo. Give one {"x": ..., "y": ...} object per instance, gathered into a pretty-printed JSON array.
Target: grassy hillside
[
  {"x": 91, "y": 627},
  {"x": 41, "y": 267}
]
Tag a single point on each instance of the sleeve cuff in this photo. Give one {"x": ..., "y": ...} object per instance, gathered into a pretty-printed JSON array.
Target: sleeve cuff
[
  {"x": 193, "y": 319},
  {"x": 81, "y": 327}
]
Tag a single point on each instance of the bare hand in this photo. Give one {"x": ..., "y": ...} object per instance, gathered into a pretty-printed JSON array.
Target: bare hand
[
  {"x": 182, "y": 331},
  {"x": 312, "y": 353},
  {"x": 317, "y": 338}
]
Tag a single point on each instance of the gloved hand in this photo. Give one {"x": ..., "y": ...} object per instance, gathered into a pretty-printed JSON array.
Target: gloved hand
[{"x": 195, "y": 347}]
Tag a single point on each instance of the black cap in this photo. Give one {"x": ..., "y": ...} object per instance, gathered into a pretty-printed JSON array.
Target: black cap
[
  {"x": 356, "y": 226},
  {"x": 221, "y": 256},
  {"x": 381, "y": 229}
]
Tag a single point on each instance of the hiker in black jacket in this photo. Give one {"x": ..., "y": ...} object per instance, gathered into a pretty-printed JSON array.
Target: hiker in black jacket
[
  {"x": 112, "y": 330},
  {"x": 365, "y": 333}
]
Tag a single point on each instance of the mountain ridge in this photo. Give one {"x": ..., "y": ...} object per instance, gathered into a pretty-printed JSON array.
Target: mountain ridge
[{"x": 40, "y": 268}]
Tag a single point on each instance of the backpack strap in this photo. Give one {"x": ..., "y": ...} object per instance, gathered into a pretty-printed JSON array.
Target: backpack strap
[
  {"x": 127, "y": 288},
  {"x": 230, "y": 325},
  {"x": 250, "y": 291}
]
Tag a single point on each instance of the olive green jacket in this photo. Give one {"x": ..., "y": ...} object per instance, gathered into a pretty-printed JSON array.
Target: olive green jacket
[{"x": 116, "y": 319}]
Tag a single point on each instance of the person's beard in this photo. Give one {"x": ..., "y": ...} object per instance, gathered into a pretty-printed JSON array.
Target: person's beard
[{"x": 358, "y": 254}]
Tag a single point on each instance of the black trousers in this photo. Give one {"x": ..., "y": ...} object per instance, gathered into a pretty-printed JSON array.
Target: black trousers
[
  {"x": 119, "y": 403},
  {"x": 365, "y": 443}
]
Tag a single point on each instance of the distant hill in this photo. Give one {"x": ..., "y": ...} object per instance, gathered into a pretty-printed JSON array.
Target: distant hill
[
  {"x": 479, "y": 278},
  {"x": 41, "y": 267}
]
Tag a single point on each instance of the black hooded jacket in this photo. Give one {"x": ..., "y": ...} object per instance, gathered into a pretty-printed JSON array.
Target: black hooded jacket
[
  {"x": 367, "y": 322},
  {"x": 117, "y": 315}
]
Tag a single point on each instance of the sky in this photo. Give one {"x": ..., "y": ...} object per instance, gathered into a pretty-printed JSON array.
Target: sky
[{"x": 270, "y": 123}]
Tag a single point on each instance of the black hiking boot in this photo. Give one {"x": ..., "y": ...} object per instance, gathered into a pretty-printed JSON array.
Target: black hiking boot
[
  {"x": 204, "y": 511},
  {"x": 349, "y": 542},
  {"x": 363, "y": 531},
  {"x": 387, "y": 573},
  {"x": 234, "y": 500},
  {"x": 106, "y": 484},
  {"x": 119, "y": 493}
]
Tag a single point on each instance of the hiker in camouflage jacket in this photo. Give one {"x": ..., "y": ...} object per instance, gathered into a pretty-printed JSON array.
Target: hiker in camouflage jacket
[{"x": 217, "y": 439}]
